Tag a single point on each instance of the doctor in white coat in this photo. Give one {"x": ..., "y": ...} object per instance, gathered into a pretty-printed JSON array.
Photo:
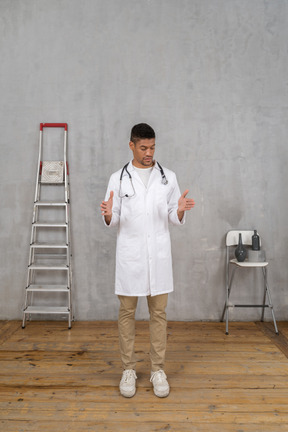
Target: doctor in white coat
[{"x": 141, "y": 199}]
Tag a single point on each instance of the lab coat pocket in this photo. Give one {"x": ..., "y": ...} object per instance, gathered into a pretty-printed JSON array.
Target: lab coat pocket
[
  {"x": 128, "y": 250},
  {"x": 128, "y": 206}
]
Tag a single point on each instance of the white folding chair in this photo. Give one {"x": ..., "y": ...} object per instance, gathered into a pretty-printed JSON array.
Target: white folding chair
[{"x": 232, "y": 239}]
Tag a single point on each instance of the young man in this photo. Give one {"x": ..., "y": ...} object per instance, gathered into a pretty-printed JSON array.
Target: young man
[{"x": 141, "y": 200}]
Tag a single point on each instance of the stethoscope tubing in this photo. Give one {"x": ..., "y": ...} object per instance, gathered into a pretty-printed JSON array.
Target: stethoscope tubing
[{"x": 164, "y": 179}]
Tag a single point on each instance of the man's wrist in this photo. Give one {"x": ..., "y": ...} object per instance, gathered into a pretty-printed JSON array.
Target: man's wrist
[
  {"x": 108, "y": 219},
  {"x": 180, "y": 214}
]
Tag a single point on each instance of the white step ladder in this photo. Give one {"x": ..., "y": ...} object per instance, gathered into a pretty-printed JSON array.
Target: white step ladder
[{"x": 49, "y": 278}]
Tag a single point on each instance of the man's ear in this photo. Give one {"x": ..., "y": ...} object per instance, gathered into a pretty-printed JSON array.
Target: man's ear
[{"x": 132, "y": 145}]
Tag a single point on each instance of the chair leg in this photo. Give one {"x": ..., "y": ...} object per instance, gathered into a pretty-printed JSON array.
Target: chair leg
[
  {"x": 264, "y": 297},
  {"x": 227, "y": 320},
  {"x": 226, "y": 306},
  {"x": 270, "y": 301},
  {"x": 224, "y": 310}
]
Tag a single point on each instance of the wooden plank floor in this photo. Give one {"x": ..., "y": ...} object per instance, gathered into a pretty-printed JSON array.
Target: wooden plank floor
[{"x": 55, "y": 379}]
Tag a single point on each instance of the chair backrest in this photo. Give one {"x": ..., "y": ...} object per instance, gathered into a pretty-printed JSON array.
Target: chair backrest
[{"x": 232, "y": 237}]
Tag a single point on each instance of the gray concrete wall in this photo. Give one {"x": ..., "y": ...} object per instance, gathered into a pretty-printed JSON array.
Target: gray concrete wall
[{"x": 209, "y": 75}]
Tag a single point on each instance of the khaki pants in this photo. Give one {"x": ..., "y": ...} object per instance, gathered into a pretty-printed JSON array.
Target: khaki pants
[{"x": 157, "y": 327}]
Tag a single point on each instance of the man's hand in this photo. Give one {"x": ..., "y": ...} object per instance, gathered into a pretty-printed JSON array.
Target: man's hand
[
  {"x": 106, "y": 208},
  {"x": 184, "y": 204}
]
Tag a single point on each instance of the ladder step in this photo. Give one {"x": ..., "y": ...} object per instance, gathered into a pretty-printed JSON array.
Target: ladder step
[
  {"x": 50, "y": 256},
  {"x": 49, "y": 245},
  {"x": 48, "y": 267},
  {"x": 50, "y": 224},
  {"x": 56, "y": 183},
  {"x": 47, "y": 310},
  {"x": 48, "y": 288},
  {"x": 50, "y": 203}
]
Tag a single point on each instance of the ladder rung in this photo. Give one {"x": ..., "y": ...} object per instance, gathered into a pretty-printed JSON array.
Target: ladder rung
[
  {"x": 46, "y": 310},
  {"x": 49, "y": 245},
  {"x": 49, "y": 256},
  {"x": 56, "y": 183},
  {"x": 251, "y": 305},
  {"x": 50, "y": 224},
  {"x": 50, "y": 203},
  {"x": 48, "y": 288},
  {"x": 48, "y": 267}
]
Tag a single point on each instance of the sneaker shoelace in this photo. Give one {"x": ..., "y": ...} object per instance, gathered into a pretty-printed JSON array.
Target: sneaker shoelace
[
  {"x": 128, "y": 375},
  {"x": 159, "y": 376}
]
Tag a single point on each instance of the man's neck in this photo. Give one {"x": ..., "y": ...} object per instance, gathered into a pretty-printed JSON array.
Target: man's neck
[{"x": 138, "y": 165}]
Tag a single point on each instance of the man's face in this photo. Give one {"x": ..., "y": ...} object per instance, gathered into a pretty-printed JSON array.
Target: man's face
[{"x": 143, "y": 152}]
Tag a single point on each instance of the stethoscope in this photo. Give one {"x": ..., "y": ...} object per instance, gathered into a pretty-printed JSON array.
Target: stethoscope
[{"x": 164, "y": 180}]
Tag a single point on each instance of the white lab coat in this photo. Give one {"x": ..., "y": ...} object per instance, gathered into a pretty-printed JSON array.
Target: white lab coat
[{"x": 143, "y": 252}]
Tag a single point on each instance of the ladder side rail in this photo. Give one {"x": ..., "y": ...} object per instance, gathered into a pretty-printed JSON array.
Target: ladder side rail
[
  {"x": 68, "y": 278},
  {"x": 32, "y": 241},
  {"x": 39, "y": 165},
  {"x": 69, "y": 296},
  {"x": 30, "y": 248},
  {"x": 32, "y": 234},
  {"x": 37, "y": 199},
  {"x": 31, "y": 256},
  {"x": 70, "y": 242},
  {"x": 65, "y": 166},
  {"x": 28, "y": 278},
  {"x": 68, "y": 233},
  {"x": 70, "y": 290},
  {"x": 67, "y": 213},
  {"x": 31, "y": 273},
  {"x": 66, "y": 194},
  {"x": 37, "y": 196},
  {"x": 68, "y": 256},
  {"x": 35, "y": 210},
  {"x": 67, "y": 236},
  {"x": 69, "y": 251}
]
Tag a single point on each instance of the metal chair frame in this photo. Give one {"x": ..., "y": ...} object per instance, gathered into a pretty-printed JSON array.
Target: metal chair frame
[{"x": 232, "y": 238}]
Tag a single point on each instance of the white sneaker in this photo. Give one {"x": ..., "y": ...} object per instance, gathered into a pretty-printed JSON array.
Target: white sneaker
[
  {"x": 128, "y": 383},
  {"x": 160, "y": 384}
]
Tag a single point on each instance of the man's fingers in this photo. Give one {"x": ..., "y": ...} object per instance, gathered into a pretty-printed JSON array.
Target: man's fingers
[
  {"x": 190, "y": 202},
  {"x": 111, "y": 194},
  {"x": 185, "y": 193}
]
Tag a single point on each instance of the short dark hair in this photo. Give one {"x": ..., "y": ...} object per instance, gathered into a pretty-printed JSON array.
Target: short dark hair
[{"x": 141, "y": 131}]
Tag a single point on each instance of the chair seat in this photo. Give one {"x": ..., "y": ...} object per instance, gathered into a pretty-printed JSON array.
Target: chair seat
[{"x": 249, "y": 263}]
